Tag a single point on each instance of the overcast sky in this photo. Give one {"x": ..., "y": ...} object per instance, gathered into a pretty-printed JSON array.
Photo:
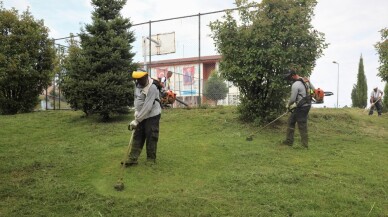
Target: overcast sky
[{"x": 351, "y": 28}]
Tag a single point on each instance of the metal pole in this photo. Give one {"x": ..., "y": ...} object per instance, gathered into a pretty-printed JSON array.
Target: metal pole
[
  {"x": 145, "y": 54},
  {"x": 199, "y": 59},
  {"x": 337, "y": 80},
  {"x": 149, "y": 62},
  {"x": 59, "y": 76},
  {"x": 54, "y": 90},
  {"x": 46, "y": 98},
  {"x": 337, "y": 85},
  {"x": 59, "y": 90}
]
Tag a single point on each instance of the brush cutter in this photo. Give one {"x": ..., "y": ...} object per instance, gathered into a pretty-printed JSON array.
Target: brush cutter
[
  {"x": 250, "y": 138},
  {"x": 373, "y": 104},
  {"x": 119, "y": 186}
]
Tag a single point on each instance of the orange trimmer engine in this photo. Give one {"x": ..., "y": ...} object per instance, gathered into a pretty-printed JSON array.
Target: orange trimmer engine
[
  {"x": 319, "y": 95},
  {"x": 168, "y": 98}
]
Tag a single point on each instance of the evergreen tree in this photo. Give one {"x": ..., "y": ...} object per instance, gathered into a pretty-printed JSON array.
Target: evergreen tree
[
  {"x": 215, "y": 87},
  {"x": 354, "y": 95},
  {"x": 360, "y": 95},
  {"x": 269, "y": 38},
  {"x": 98, "y": 71},
  {"x": 26, "y": 60}
]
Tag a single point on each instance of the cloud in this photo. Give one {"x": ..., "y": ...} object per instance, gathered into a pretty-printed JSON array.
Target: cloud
[
  {"x": 20, "y": 5},
  {"x": 143, "y": 11}
]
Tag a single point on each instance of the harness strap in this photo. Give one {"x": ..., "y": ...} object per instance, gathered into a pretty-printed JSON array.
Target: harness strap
[
  {"x": 305, "y": 99},
  {"x": 156, "y": 99}
]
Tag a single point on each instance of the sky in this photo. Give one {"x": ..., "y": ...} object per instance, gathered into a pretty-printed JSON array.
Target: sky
[{"x": 351, "y": 29}]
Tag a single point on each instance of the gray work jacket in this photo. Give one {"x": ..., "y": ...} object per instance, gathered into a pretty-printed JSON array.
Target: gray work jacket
[
  {"x": 147, "y": 101},
  {"x": 298, "y": 92}
]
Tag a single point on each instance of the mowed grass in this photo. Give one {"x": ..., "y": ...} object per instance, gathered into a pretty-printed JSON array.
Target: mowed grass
[{"x": 59, "y": 163}]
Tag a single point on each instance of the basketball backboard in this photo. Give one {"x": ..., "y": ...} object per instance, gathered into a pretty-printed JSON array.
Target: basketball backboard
[{"x": 160, "y": 44}]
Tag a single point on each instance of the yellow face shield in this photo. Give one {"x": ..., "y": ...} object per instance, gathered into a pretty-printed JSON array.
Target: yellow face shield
[{"x": 138, "y": 74}]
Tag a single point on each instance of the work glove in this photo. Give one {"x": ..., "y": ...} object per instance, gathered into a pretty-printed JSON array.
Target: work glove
[
  {"x": 287, "y": 105},
  {"x": 291, "y": 107},
  {"x": 132, "y": 125}
]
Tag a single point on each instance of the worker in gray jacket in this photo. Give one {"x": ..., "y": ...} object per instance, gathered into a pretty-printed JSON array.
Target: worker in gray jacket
[
  {"x": 299, "y": 104},
  {"x": 147, "y": 117}
]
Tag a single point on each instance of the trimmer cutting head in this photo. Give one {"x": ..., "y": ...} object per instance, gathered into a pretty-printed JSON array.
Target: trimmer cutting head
[
  {"x": 119, "y": 186},
  {"x": 249, "y": 138}
]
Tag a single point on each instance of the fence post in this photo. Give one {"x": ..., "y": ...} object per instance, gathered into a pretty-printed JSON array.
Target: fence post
[
  {"x": 199, "y": 59},
  {"x": 149, "y": 41},
  {"x": 46, "y": 98}
]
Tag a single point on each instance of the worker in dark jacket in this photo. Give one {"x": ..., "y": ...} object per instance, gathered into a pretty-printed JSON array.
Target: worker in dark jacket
[
  {"x": 299, "y": 104},
  {"x": 147, "y": 117}
]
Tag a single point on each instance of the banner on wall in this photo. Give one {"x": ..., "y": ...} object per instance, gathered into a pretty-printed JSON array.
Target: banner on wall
[{"x": 188, "y": 75}]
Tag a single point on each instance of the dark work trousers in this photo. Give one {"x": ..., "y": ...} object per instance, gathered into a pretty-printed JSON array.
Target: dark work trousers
[
  {"x": 146, "y": 132},
  {"x": 300, "y": 116},
  {"x": 378, "y": 106}
]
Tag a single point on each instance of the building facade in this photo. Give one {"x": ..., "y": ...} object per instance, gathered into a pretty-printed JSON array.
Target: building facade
[{"x": 187, "y": 76}]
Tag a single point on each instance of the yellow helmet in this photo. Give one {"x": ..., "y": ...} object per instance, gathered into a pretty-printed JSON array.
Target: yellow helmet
[{"x": 139, "y": 74}]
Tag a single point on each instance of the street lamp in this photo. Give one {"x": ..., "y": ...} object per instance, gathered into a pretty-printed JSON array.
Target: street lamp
[{"x": 337, "y": 81}]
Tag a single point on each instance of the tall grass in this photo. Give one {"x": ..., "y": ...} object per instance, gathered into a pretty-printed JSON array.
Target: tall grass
[{"x": 59, "y": 163}]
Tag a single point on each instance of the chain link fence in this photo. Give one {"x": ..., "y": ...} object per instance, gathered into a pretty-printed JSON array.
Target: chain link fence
[{"x": 191, "y": 60}]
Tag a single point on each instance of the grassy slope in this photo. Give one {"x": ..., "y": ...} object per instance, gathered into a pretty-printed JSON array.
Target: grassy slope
[{"x": 57, "y": 163}]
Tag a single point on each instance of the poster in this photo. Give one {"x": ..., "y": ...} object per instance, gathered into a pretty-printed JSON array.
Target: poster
[{"x": 188, "y": 75}]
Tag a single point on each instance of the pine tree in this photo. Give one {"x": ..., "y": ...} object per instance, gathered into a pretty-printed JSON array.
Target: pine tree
[
  {"x": 98, "y": 74},
  {"x": 360, "y": 95},
  {"x": 354, "y": 95}
]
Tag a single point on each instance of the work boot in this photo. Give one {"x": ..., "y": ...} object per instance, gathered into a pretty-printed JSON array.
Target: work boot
[
  {"x": 129, "y": 163},
  {"x": 133, "y": 156},
  {"x": 150, "y": 162},
  {"x": 286, "y": 142}
]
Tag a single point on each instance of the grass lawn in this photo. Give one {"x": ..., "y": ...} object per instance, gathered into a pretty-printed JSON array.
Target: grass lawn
[{"x": 59, "y": 163}]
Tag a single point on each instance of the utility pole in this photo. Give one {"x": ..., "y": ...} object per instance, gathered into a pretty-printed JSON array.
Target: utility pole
[{"x": 337, "y": 81}]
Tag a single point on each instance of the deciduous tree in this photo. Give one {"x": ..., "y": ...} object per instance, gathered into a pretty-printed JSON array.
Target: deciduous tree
[
  {"x": 267, "y": 39},
  {"x": 26, "y": 60},
  {"x": 382, "y": 50},
  {"x": 385, "y": 98}
]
